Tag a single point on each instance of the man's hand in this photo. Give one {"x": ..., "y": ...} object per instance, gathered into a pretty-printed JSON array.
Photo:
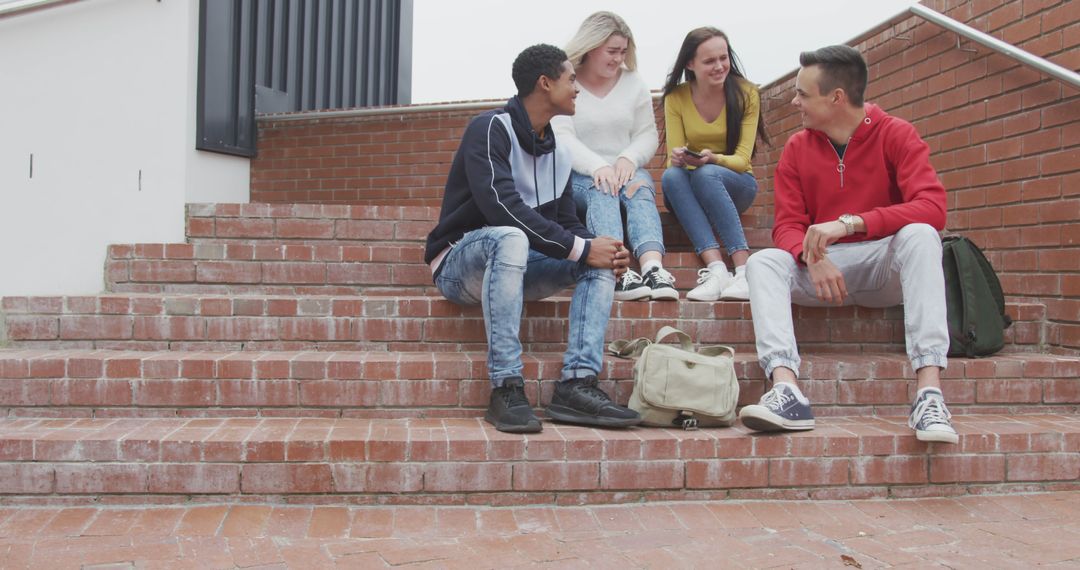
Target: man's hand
[
  {"x": 820, "y": 236},
  {"x": 828, "y": 281},
  {"x": 608, "y": 253},
  {"x": 606, "y": 181},
  {"x": 624, "y": 171}
]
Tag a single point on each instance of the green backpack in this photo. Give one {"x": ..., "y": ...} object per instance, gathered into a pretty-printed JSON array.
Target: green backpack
[{"x": 976, "y": 305}]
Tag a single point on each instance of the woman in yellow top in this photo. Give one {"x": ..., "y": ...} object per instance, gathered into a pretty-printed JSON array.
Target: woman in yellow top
[{"x": 712, "y": 120}]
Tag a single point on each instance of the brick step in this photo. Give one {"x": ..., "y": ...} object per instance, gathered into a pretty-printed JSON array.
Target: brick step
[
  {"x": 384, "y": 210},
  {"x": 363, "y": 225},
  {"x": 75, "y": 383},
  {"x": 266, "y": 268},
  {"x": 286, "y": 269},
  {"x": 129, "y": 321},
  {"x": 465, "y": 461},
  {"x": 375, "y": 210}
]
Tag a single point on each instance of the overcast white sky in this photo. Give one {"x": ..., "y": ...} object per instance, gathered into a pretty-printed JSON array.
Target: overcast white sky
[{"x": 463, "y": 49}]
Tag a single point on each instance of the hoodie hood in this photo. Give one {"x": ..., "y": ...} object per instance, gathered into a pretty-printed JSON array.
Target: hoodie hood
[
  {"x": 874, "y": 117},
  {"x": 527, "y": 137}
]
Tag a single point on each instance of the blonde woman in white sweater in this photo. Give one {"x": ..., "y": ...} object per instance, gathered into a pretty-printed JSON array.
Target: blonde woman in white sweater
[{"x": 611, "y": 137}]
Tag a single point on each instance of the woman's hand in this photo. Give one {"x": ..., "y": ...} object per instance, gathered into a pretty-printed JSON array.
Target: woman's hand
[
  {"x": 606, "y": 181},
  {"x": 677, "y": 157},
  {"x": 681, "y": 158},
  {"x": 624, "y": 171},
  {"x": 707, "y": 157}
]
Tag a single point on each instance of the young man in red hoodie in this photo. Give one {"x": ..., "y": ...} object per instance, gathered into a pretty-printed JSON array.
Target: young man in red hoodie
[{"x": 858, "y": 210}]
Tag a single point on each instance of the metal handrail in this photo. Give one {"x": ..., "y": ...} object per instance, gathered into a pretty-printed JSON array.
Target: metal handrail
[
  {"x": 392, "y": 110},
  {"x": 19, "y": 6},
  {"x": 1026, "y": 58},
  {"x": 928, "y": 14}
]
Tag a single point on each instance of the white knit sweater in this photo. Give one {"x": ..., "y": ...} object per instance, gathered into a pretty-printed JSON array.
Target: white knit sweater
[{"x": 603, "y": 129}]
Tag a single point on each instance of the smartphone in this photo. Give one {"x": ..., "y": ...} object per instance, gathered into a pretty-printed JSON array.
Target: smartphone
[{"x": 692, "y": 153}]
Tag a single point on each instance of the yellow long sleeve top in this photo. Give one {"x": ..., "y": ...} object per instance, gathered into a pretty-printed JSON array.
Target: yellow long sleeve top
[{"x": 686, "y": 127}]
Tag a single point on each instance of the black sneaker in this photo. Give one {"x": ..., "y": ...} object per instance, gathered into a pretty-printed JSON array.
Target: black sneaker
[
  {"x": 581, "y": 401},
  {"x": 630, "y": 287},
  {"x": 662, "y": 285},
  {"x": 780, "y": 409},
  {"x": 509, "y": 409}
]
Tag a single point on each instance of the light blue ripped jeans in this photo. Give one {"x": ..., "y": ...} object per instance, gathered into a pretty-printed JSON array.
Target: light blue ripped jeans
[
  {"x": 493, "y": 267},
  {"x": 603, "y": 216}
]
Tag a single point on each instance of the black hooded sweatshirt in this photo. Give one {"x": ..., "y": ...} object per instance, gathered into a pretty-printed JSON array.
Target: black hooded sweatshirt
[{"x": 505, "y": 175}]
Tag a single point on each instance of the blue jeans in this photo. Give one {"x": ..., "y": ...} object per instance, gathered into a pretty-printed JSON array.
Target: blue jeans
[
  {"x": 493, "y": 267},
  {"x": 707, "y": 198},
  {"x": 603, "y": 216}
]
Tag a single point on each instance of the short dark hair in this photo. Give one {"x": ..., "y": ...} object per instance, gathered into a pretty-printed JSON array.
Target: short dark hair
[
  {"x": 841, "y": 66},
  {"x": 534, "y": 61}
]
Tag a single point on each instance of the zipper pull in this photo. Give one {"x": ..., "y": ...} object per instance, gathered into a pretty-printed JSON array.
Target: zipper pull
[{"x": 840, "y": 169}]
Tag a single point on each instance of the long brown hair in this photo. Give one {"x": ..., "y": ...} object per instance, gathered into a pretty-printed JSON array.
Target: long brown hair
[{"x": 736, "y": 98}]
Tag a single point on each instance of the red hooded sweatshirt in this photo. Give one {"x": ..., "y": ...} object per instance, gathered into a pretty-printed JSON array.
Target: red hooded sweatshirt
[{"x": 885, "y": 177}]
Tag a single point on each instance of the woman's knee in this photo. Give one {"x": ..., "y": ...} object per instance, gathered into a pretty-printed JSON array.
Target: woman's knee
[
  {"x": 580, "y": 182},
  {"x": 709, "y": 177},
  {"x": 673, "y": 180},
  {"x": 641, "y": 179},
  {"x": 639, "y": 194}
]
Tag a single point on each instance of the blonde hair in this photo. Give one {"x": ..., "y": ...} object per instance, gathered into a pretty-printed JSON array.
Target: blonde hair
[{"x": 594, "y": 31}]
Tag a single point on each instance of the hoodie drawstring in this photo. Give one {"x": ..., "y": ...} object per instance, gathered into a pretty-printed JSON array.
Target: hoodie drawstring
[{"x": 554, "y": 171}]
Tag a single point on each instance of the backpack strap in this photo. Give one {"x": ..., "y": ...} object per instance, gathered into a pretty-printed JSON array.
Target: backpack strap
[
  {"x": 963, "y": 337},
  {"x": 628, "y": 348},
  {"x": 684, "y": 339},
  {"x": 633, "y": 348},
  {"x": 991, "y": 279}
]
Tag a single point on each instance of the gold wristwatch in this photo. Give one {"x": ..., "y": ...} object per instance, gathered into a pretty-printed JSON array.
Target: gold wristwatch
[{"x": 849, "y": 222}]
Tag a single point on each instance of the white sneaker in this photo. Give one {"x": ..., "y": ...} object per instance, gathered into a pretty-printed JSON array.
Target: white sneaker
[
  {"x": 737, "y": 288},
  {"x": 710, "y": 285}
]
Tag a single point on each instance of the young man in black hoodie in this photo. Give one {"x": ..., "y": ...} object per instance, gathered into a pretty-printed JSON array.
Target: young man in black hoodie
[{"x": 508, "y": 232}]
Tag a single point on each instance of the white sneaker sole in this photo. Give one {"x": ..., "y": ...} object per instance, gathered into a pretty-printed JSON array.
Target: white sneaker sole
[
  {"x": 759, "y": 418},
  {"x": 937, "y": 436},
  {"x": 734, "y": 297},
  {"x": 635, "y": 295},
  {"x": 691, "y": 296},
  {"x": 664, "y": 294}
]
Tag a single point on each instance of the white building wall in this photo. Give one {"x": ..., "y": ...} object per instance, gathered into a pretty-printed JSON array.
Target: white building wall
[{"x": 99, "y": 91}]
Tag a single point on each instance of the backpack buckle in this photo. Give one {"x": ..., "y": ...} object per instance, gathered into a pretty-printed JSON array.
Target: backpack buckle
[{"x": 686, "y": 421}]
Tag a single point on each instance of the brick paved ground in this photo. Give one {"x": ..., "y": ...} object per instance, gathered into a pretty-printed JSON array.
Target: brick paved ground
[{"x": 1015, "y": 531}]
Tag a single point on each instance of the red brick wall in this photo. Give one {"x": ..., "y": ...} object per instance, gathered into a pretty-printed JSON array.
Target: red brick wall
[{"x": 1004, "y": 138}]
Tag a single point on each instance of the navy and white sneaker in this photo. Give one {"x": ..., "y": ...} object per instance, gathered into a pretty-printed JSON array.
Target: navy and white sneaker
[
  {"x": 930, "y": 418},
  {"x": 631, "y": 287},
  {"x": 783, "y": 408},
  {"x": 661, "y": 285}
]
